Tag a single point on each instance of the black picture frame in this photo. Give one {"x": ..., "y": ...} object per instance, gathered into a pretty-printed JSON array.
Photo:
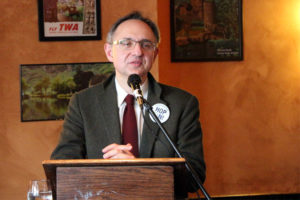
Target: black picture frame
[
  {"x": 47, "y": 88},
  {"x": 61, "y": 21},
  {"x": 206, "y": 30}
]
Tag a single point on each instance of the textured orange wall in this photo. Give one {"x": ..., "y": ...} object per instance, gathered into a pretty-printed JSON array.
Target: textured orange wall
[
  {"x": 23, "y": 146},
  {"x": 250, "y": 110}
]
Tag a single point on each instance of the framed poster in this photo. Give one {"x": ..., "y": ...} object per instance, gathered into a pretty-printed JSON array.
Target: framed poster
[
  {"x": 47, "y": 88},
  {"x": 63, "y": 20},
  {"x": 206, "y": 30}
]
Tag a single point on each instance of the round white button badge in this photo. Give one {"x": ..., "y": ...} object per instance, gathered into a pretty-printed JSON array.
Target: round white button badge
[{"x": 162, "y": 112}]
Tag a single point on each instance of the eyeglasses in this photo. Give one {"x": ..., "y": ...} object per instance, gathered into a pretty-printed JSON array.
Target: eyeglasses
[{"x": 129, "y": 44}]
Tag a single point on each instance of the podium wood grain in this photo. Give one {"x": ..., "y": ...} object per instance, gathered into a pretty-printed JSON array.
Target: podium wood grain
[
  {"x": 115, "y": 182},
  {"x": 150, "y": 178}
]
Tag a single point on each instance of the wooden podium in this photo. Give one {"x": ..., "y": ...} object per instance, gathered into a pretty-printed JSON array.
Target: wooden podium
[{"x": 141, "y": 178}]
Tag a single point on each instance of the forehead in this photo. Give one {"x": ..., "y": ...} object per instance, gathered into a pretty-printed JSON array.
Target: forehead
[{"x": 135, "y": 29}]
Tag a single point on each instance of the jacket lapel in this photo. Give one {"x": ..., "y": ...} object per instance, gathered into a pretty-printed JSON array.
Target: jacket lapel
[
  {"x": 150, "y": 129},
  {"x": 110, "y": 111}
]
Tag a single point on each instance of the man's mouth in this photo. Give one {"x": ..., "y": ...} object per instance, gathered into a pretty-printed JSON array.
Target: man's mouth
[{"x": 136, "y": 62}]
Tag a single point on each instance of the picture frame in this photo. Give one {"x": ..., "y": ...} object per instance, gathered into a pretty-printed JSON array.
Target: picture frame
[
  {"x": 206, "y": 30},
  {"x": 47, "y": 88},
  {"x": 69, "y": 20}
]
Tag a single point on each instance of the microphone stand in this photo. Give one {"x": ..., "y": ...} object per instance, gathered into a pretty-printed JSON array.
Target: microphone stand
[{"x": 188, "y": 166}]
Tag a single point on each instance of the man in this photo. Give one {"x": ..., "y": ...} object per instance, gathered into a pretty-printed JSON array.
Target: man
[{"x": 92, "y": 126}]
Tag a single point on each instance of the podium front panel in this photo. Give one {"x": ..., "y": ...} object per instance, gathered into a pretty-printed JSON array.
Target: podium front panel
[{"x": 115, "y": 182}]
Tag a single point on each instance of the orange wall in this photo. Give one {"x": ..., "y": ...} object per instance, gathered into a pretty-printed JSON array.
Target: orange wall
[{"x": 249, "y": 110}]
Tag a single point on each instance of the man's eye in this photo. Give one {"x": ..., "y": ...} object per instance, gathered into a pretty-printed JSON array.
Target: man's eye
[
  {"x": 127, "y": 43},
  {"x": 147, "y": 45}
]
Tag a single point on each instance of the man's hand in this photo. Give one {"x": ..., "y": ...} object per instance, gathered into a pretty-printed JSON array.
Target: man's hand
[{"x": 117, "y": 151}]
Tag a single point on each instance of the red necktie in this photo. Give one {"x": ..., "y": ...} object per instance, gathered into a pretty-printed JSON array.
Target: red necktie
[{"x": 130, "y": 133}]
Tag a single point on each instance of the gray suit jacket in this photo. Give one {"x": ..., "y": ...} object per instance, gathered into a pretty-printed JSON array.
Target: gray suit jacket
[{"x": 92, "y": 122}]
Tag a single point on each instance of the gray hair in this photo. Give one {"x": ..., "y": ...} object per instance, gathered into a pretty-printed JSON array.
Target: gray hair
[{"x": 134, "y": 15}]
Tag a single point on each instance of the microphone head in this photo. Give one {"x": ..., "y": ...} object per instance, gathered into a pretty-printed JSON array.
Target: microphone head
[{"x": 134, "y": 80}]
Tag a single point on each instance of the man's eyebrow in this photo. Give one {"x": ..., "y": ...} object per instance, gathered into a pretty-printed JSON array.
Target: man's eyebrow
[{"x": 144, "y": 40}]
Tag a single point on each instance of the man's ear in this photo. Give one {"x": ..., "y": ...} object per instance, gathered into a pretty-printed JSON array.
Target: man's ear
[{"x": 108, "y": 48}]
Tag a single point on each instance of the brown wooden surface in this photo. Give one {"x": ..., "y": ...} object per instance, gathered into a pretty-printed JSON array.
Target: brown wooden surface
[
  {"x": 97, "y": 162},
  {"x": 115, "y": 182},
  {"x": 60, "y": 171}
]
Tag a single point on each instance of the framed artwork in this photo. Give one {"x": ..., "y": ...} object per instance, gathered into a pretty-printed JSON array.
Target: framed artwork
[
  {"x": 64, "y": 20},
  {"x": 206, "y": 30},
  {"x": 47, "y": 88}
]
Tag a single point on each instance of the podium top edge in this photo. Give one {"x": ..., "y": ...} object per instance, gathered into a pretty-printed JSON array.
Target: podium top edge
[{"x": 136, "y": 161}]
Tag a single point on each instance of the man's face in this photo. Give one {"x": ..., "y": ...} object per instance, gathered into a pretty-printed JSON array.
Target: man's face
[{"x": 135, "y": 60}]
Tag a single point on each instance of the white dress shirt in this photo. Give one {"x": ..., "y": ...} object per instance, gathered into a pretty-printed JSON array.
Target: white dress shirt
[{"x": 121, "y": 94}]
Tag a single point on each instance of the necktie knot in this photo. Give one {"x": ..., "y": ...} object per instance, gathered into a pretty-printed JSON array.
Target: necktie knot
[{"x": 129, "y": 99}]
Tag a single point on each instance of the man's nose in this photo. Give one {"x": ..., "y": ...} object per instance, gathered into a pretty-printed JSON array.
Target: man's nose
[{"x": 138, "y": 50}]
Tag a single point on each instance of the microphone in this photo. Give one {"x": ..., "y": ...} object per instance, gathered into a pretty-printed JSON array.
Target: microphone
[{"x": 134, "y": 81}]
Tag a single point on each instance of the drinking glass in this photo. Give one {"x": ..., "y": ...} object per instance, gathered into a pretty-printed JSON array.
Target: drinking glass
[{"x": 39, "y": 190}]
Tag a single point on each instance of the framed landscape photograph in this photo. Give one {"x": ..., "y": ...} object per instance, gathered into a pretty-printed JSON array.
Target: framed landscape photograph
[
  {"x": 47, "y": 88},
  {"x": 63, "y": 20},
  {"x": 206, "y": 30}
]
